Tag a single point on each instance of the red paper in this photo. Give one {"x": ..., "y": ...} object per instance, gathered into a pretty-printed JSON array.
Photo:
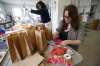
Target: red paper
[
  {"x": 58, "y": 41},
  {"x": 58, "y": 60},
  {"x": 58, "y": 51}
]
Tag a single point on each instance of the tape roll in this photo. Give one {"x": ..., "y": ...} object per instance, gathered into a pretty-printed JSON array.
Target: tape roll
[{"x": 67, "y": 56}]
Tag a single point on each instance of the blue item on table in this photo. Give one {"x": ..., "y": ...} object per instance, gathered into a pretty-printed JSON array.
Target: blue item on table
[{"x": 3, "y": 45}]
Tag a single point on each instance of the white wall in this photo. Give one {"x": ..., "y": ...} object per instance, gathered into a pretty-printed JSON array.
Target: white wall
[
  {"x": 61, "y": 5},
  {"x": 57, "y": 7},
  {"x": 54, "y": 14},
  {"x": 57, "y": 11}
]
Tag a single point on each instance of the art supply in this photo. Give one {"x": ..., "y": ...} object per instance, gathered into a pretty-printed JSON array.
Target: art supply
[{"x": 67, "y": 56}]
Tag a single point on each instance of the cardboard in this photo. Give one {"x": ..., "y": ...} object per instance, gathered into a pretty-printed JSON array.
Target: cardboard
[{"x": 33, "y": 60}]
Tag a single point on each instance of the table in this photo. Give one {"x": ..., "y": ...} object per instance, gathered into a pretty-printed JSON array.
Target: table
[
  {"x": 3, "y": 51},
  {"x": 76, "y": 57},
  {"x": 2, "y": 55},
  {"x": 5, "y": 60}
]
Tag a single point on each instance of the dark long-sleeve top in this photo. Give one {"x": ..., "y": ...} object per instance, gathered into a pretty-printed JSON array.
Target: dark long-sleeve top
[{"x": 45, "y": 18}]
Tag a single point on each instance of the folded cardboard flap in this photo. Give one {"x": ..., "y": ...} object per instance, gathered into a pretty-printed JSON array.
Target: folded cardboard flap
[{"x": 33, "y": 60}]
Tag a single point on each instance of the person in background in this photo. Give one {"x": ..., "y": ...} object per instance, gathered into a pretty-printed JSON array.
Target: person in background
[
  {"x": 43, "y": 12},
  {"x": 69, "y": 28}
]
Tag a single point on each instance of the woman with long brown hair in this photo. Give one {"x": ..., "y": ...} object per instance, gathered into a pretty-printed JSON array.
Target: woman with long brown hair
[{"x": 69, "y": 28}]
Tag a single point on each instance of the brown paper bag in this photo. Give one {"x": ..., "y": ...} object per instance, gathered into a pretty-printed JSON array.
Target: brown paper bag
[
  {"x": 31, "y": 35},
  {"x": 20, "y": 45},
  {"x": 28, "y": 41},
  {"x": 23, "y": 44},
  {"x": 17, "y": 45},
  {"x": 48, "y": 34},
  {"x": 14, "y": 53},
  {"x": 41, "y": 41}
]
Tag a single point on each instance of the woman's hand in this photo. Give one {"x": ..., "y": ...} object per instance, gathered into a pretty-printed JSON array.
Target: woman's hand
[
  {"x": 55, "y": 35},
  {"x": 64, "y": 43}
]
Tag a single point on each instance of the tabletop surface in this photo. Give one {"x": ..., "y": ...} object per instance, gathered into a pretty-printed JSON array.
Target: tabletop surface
[{"x": 76, "y": 57}]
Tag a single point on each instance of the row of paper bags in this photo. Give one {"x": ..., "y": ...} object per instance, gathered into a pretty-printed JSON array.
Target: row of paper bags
[{"x": 24, "y": 42}]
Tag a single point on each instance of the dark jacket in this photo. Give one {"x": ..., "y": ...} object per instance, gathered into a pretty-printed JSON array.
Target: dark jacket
[{"x": 45, "y": 18}]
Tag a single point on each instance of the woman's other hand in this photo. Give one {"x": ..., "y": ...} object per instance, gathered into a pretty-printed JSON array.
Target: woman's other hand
[
  {"x": 72, "y": 42},
  {"x": 55, "y": 35}
]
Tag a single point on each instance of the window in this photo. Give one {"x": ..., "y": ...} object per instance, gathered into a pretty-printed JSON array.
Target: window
[
  {"x": 17, "y": 12},
  {"x": 2, "y": 17}
]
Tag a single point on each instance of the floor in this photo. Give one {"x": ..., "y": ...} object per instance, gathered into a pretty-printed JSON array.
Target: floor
[{"x": 90, "y": 49}]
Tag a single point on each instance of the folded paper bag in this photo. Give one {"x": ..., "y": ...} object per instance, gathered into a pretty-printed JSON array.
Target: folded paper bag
[{"x": 33, "y": 60}]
